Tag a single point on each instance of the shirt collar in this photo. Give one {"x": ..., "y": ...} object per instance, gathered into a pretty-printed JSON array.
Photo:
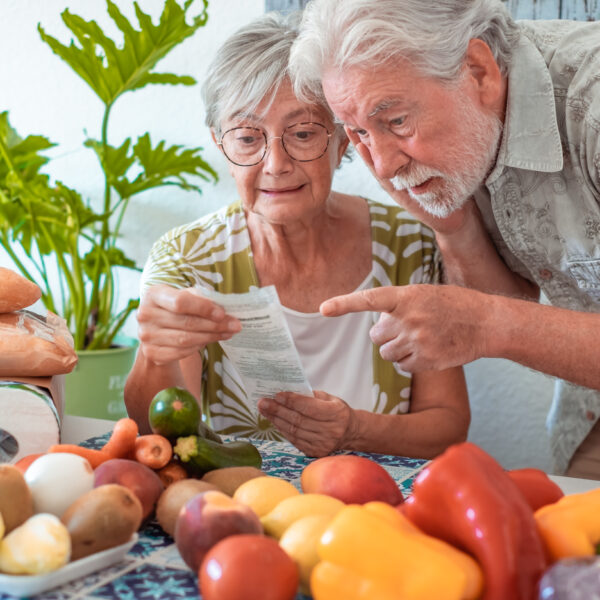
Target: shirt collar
[{"x": 530, "y": 139}]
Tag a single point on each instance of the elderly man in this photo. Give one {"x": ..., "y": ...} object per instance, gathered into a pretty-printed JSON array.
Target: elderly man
[{"x": 488, "y": 130}]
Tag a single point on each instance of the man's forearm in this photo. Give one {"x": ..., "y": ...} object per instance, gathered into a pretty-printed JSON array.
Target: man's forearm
[
  {"x": 471, "y": 260},
  {"x": 555, "y": 341}
]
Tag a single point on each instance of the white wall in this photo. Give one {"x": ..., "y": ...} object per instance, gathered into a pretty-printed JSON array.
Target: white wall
[{"x": 44, "y": 97}]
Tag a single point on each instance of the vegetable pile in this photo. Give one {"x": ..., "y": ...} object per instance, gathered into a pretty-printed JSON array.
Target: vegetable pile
[{"x": 469, "y": 531}]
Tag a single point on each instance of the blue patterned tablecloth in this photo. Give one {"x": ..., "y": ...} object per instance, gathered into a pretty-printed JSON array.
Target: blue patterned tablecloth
[{"x": 153, "y": 569}]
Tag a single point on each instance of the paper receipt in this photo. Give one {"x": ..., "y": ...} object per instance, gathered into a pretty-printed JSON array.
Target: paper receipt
[{"x": 263, "y": 352}]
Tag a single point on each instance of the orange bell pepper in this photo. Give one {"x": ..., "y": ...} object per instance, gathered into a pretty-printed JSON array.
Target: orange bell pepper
[
  {"x": 571, "y": 526},
  {"x": 372, "y": 552}
]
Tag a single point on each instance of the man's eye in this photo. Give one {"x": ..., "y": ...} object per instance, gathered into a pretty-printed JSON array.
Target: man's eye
[
  {"x": 361, "y": 132},
  {"x": 398, "y": 124}
]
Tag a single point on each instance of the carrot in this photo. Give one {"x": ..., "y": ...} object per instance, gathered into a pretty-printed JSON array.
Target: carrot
[
  {"x": 172, "y": 472},
  {"x": 94, "y": 457},
  {"x": 121, "y": 443},
  {"x": 153, "y": 450},
  {"x": 23, "y": 463}
]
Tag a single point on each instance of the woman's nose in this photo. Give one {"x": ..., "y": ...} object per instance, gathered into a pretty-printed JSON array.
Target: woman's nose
[{"x": 276, "y": 160}]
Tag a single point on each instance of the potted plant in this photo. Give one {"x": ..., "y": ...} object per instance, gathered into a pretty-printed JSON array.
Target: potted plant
[{"x": 70, "y": 246}]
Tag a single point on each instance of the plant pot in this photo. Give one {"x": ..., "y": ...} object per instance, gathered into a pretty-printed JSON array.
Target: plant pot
[{"x": 95, "y": 387}]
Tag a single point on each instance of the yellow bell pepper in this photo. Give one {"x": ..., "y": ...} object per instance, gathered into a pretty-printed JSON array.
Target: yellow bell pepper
[
  {"x": 571, "y": 526},
  {"x": 373, "y": 551}
]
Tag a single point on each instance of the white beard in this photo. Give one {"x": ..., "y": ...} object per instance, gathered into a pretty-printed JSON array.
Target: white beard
[{"x": 473, "y": 157}]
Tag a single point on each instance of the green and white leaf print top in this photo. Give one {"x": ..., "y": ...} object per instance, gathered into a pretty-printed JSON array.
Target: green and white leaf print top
[{"x": 215, "y": 251}]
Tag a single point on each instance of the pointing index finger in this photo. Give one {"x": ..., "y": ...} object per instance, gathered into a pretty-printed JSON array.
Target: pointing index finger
[{"x": 383, "y": 299}]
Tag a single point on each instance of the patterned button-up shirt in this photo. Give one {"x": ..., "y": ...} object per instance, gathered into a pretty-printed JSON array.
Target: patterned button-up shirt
[{"x": 541, "y": 203}]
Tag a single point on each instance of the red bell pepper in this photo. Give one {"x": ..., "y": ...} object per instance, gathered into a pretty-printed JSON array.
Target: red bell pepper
[
  {"x": 538, "y": 489},
  {"x": 465, "y": 498}
]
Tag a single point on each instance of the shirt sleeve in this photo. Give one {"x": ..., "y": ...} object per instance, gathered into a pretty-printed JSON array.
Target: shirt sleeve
[{"x": 163, "y": 267}]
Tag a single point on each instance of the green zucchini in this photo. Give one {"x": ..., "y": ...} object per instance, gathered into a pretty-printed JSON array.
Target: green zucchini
[{"x": 201, "y": 455}]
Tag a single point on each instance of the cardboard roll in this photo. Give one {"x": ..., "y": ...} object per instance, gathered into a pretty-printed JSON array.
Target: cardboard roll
[{"x": 29, "y": 421}]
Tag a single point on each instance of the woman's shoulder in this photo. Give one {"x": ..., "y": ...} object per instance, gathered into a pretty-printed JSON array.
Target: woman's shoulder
[{"x": 218, "y": 224}]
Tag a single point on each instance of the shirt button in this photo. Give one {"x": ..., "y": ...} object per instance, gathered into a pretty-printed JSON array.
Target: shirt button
[{"x": 545, "y": 274}]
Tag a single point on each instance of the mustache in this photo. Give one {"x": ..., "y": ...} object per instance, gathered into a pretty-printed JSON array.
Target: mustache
[{"x": 418, "y": 175}]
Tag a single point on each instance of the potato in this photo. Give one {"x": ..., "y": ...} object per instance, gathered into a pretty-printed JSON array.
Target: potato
[
  {"x": 16, "y": 502},
  {"x": 229, "y": 479},
  {"x": 104, "y": 517},
  {"x": 40, "y": 545},
  {"x": 141, "y": 480},
  {"x": 174, "y": 497}
]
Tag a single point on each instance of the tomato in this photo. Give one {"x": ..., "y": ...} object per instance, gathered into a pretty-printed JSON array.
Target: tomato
[{"x": 248, "y": 567}]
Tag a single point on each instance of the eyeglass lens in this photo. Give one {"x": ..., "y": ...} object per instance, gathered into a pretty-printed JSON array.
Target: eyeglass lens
[{"x": 246, "y": 146}]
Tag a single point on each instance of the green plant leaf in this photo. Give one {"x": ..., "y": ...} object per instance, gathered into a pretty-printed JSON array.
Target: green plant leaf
[
  {"x": 51, "y": 222},
  {"x": 111, "y": 70},
  {"x": 113, "y": 257},
  {"x": 19, "y": 154},
  {"x": 115, "y": 161},
  {"x": 165, "y": 166}
]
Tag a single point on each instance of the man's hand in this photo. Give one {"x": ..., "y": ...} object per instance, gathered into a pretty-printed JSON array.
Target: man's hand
[
  {"x": 423, "y": 327},
  {"x": 316, "y": 426}
]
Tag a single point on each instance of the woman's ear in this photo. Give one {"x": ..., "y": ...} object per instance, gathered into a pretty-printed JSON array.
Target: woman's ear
[
  {"x": 214, "y": 137},
  {"x": 342, "y": 145},
  {"x": 485, "y": 75}
]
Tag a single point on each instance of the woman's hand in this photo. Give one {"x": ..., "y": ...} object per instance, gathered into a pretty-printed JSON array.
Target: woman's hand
[
  {"x": 316, "y": 425},
  {"x": 176, "y": 323}
]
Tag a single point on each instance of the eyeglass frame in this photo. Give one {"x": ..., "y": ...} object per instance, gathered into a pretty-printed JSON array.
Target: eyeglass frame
[{"x": 275, "y": 137}]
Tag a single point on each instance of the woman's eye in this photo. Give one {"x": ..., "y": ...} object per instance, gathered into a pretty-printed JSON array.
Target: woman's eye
[
  {"x": 247, "y": 140},
  {"x": 303, "y": 136}
]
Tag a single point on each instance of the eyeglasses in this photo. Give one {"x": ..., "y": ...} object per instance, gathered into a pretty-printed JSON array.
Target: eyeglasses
[{"x": 247, "y": 146}]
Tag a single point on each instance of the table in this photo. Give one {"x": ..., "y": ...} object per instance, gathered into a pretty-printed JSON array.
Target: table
[
  {"x": 77, "y": 429},
  {"x": 153, "y": 569}
]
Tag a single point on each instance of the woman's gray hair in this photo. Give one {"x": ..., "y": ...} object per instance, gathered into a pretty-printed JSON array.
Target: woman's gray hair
[
  {"x": 432, "y": 35},
  {"x": 249, "y": 67}
]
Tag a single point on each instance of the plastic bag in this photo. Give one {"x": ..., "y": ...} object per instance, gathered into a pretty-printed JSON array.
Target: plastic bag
[
  {"x": 33, "y": 345},
  {"x": 572, "y": 579}
]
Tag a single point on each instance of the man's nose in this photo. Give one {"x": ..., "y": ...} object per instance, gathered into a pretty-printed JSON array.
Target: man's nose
[{"x": 387, "y": 154}]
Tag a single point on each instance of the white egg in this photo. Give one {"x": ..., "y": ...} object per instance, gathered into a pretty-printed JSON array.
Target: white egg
[{"x": 56, "y": 480}]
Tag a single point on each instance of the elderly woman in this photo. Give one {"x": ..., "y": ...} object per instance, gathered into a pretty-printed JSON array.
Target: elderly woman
[{"x": 291, "y": 230}]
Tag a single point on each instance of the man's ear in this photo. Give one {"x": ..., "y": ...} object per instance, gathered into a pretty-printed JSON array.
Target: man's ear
[{"x": 485, "y": 74}]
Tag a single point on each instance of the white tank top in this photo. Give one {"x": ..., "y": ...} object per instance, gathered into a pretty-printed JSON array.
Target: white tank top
[{"x": 336, "y": 352}]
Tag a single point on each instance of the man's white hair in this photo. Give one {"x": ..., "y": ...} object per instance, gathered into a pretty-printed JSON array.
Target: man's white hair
[{"x": 431, "y": 34}]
